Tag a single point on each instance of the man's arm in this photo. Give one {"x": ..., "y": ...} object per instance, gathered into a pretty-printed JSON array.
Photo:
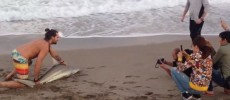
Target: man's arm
[
  {"x": 39, "y": 60},
  {"x": 224, "y": 25},
  {"x": 56, "y": 56},
  {"x": 217, "y": 56},
  {"x": 185, "y": 10},
  {"x": 206, "y": 5}
]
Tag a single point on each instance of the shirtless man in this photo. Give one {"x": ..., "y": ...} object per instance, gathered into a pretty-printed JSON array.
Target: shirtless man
[{"x": 23, "y": 55}]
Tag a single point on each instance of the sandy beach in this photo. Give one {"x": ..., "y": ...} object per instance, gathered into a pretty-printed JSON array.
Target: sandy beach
[{"x": 111, "y": 69}]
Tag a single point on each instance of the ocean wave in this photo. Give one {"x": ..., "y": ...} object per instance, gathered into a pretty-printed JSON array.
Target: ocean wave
[
  {"x": 109, "y": 36},
  {"x": 12, "y": 10}
]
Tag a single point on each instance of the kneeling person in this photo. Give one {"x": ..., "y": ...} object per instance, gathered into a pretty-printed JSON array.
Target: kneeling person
[{"x": 22, "y": 57}]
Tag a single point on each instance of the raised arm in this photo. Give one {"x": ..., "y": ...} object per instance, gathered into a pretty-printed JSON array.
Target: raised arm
[{"x": 224, "y": 25}]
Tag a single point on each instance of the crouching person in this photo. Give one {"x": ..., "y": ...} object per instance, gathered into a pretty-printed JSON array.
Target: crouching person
[
  {"x": 201, "y": 63},
  {"x": 221, "y": 60}
]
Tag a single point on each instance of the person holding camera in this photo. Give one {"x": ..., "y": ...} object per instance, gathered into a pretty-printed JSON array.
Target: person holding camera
[
  {"x": 201, "y": 63},
  {"x": 164, "y": 63}
]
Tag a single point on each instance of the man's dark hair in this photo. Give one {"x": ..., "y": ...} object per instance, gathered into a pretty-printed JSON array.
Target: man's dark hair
[
  {"x": 50, "y": 33},
  {"x": 225, "y": 35}
]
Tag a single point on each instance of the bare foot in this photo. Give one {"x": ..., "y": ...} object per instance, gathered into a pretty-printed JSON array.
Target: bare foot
[{"x": 209, "y": 93}]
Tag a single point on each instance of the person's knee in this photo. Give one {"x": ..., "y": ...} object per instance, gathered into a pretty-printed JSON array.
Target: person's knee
[{"x": 173, "y": 70}]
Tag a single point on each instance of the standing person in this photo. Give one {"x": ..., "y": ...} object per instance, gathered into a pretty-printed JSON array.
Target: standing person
[
  {"x": 198, "y": 10},
  {"x": 201, "y": 62},
  {"x": 22, "y": 56}
]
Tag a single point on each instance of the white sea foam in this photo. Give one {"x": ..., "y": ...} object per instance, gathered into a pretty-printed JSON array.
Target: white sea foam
[
  {"x": 104, "y": 18},
  {"x": 45, "y": 9},
  {"x": 136, "y": 35}
]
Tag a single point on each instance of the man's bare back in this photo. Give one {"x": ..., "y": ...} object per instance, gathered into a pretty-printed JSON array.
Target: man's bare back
[{"x": 32, "y": 49}]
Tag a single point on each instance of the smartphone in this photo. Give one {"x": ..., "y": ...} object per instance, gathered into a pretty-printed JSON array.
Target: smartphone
[{"x": 181, "y": 48}]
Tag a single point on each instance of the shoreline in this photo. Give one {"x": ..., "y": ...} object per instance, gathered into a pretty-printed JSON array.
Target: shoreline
[{"x": 8, "y": 43}]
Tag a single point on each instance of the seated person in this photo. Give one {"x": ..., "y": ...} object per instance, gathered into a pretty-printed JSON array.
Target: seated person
[{"x": 221, "y": 76}]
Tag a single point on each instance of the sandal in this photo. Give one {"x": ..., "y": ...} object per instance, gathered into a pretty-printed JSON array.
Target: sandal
[{"x": 226, "y": 91}]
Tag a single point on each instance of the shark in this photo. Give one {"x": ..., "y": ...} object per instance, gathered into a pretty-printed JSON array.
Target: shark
[{"x": 56, "y": 72}]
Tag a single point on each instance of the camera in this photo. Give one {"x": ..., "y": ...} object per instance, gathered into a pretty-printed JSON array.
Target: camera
[{"x": 159, "y": 61}]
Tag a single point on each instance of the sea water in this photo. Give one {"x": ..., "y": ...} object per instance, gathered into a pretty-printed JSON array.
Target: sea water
[{"x": 105, "y": 18}]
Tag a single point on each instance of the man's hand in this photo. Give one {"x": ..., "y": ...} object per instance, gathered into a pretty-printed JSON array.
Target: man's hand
[
  {"x": 199, "y": 21},
  {"x": 37, "y": 85},
  {"x": 224, "y": 25},
  {"x": 182, "y": 19},
  {"x": 63, "y": 63}
]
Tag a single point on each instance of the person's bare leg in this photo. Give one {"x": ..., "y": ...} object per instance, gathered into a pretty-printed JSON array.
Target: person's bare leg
[
  {"x": 11, "y": 84},
  {"x": 10, "y": 75},
  {"x": 166, "y": 69}
]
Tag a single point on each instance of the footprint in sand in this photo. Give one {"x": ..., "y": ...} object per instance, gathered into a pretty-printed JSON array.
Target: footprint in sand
[
  {"x": 83, "y": 75},
  {"x": 130, "y": 82},
  {"x": 138, "y": 98},
  {"x": 67, "y": 97},
  {"x": 93, "y": 83},
  {"x": 172, "y": 90},
  {"x": 54, "y": 88},
  {"x": 130, "y": 76},
  {"x": 96, "y": 67},
  {"x": 74, "y": 81},
  {"x": 137, "y": 86},
  {"x": 149, "y": 93},
  {"x": 102, "y": 66},
  {"x": 152, "y": 78},
  {"x": 112, "y": 87},
  {"x": 90, "y": 96},
  {"x": 91, "y": 68}
]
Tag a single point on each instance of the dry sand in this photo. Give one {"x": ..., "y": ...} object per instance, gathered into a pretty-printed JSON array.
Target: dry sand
[{"x": 111, "y": 69}]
